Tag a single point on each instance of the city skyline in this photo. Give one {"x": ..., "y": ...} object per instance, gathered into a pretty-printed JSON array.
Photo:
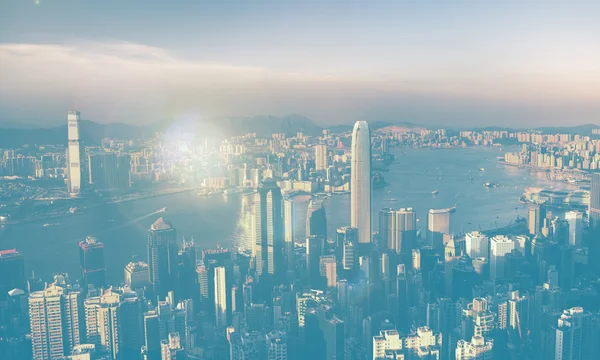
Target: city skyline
[{"x": 431, "y": 64}]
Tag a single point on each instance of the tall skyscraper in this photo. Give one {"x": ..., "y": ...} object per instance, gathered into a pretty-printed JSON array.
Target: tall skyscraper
[
  {"x": 12, "y": 270},
  {"x": 500, "y": 245},
  {"x": 575, "y": 221},
  {"x": 477, "y": 245},
  {"x": 320, "y": 157},
  {"x": 438, "y": 224},
  {"x": 398, "y": 230},
  {"x": 54, "y": 320},
  {"x": 268, "y": 248},
  {"x": 220, "y": 297},
  {"x": 102, "y": 322},
  {"x": 162, "y": 257},
  {"x": 535, "y": 218},
  {"x": 289, "y": 218},
  {"x": 91, "y": 261},
  {"x": 73, "y": 154},
  {"x": 316, "y": 219},
  {"x": 594, "y": 209},
  {"x": 360, "y": 186},
  {"x": 314, "y": 250},
  {"x": 573, "y": 335}
]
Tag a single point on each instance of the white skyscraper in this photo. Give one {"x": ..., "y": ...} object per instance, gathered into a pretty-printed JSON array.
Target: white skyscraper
[
  {"x": 360, "y": 186},
  {"x": 575, "y": 220},
  {"x": 73, "y": 154},
  {"x": 220, "y": 297},
  {"x": 500, "y": 245},
  {"x": 289, "y": 217},
  {"x": 320, "y": 157},
  {"x": 54, "y": 321},
  {"x": 476, "y": 245}
]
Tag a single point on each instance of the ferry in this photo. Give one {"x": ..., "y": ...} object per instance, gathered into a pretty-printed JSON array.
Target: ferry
[
  {"x": 481, "y": 169},
  {"x": 162, "y": 210},
  {"x": 435, "y": 192},
  {"x": 46, "y": 225},
  {"x": 72, "y": 210},
  {"x": 391, "y": 199}
]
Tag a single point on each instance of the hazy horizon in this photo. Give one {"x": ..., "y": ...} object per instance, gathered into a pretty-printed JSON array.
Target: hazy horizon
[{"x": 451, "y": 63}]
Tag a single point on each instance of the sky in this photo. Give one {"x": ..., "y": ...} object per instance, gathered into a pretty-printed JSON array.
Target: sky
[{"x": 444, "y": 63}]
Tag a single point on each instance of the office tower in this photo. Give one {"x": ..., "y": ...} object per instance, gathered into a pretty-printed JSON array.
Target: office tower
[
  {"x": 131, "y": 324},
  {"x": 594, "y": 209},
  {"x": 152, "y": 335},
  {"x": 136, "y": 274},
  {"x": 162, "y": 257},
  {"x": 187, "y": 259},
  {"x": 91, "y": 261},
  {"x": 575, "y": 221},
  {"x": 289, "y": 218},
  {"x": 360, "y": 183},
  {"x": 518, "y": 311},
  {"x": 316, "y": 219},
  {"x": 500, "y": 245},
  {"x": 54, "y": 318},
  {"x": 12, "y": 270},
  {"x": 320, "y": 157},
  {"x": 268, "y": 248},
  {"x": 203, "y": 284},
  {"x": 109, "y": 171},
  {"x": 276, "y": 342},
  {"x": 386, "y": 343},
  {"x": 574, "y": 335},
  {"x": 327, "y": 269},
  {"x": 476, "y": 245},
  {"x": 245, "y": 224},
  {"x": 344, "y": 234},
  {"x": 416, "y": 259},
  {"x": 398, "y": 230},
  {"x": 314, "y": 249},
  {"x": 73, "y": 154},
  {"x": 102, "y": 321},
  {"x": 247, "y": 346},
  {"x": 349, "y": 258},
  {"x": 438, "y": 224},
  {"x": 477, "y": 349},
  {"x": 535, "y": 218},
  {"x": 220, "y": 297}
]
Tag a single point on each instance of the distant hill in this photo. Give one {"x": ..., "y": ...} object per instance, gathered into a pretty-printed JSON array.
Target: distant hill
[
  {"x": 578, "y": 129},
  {"x": 376, "y": 125}
]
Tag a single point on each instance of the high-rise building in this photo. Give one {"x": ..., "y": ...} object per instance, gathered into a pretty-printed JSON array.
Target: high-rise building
[
  {"x": 477, "y": 349},
  {"x": 574, "y": 335},
  {"x": 360, "y": 186},
  {"x": 316, "y": 219},
  {"x": 575, "y": 221},
  {"x": 535, "y": 218},
  {"x": 594, "y": 209},
  {"x": 477, "y": 245},
  {"x": 54, "y": 317},
  {"x": 320, "y": 157},
  {"x": 136, "y": 274},
  {"x": 220, "y": 297},
  {"x": 73, "y": 154},
  {"x": 268, "y": 248},
  {"x": 398, "y": 230},
  {"x": 423, "y": 344},
  {"x": 12, "y": 268},
  {"x": 102, "y": 322},
  {"x": 247, "y": 346},
  {"x": 438, "y": 224},
  {"x": 152, "y": 335},
  {"x": 387, "y": 343},
  {"x": 109, "y": 171},
  {"x": 314, "y": 250},
  {"x": 518, "y": 311},
  {"x": 91, "y": 261},
  {"x": 500, "y": 245},
  {"x": 289, "y": 218},
  {"x": 327, "y": 269},
  {"x": 276, "y": 342},
  {"x": 186, "y": 270},
  {"x": 162, "y": 257}
]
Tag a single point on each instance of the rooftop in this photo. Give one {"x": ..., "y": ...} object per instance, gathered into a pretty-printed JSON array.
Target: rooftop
[{"x": 160, "y": 224}]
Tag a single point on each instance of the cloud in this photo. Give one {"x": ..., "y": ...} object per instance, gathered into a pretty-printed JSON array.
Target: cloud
[{"x": 134, "y": 83}]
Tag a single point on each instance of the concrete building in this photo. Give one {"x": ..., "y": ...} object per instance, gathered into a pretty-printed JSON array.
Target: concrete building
[{"x": 500, "y": 245}]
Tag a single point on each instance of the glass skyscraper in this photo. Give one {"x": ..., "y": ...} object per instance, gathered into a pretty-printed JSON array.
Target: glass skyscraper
[{"x": 360, "y": 198}]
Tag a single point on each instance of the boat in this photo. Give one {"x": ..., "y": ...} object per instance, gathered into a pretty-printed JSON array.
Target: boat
[
  {"x": 435, "y": 192},
  {"x": 481, "y": 169},
  {"x": 391, "y": 199},
  {"x": 46, "y": 225},
  {"x": 72, "y": 210},
  {"x": 162, "y": 210}
]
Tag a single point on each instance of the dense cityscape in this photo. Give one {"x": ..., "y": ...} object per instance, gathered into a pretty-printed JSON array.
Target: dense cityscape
[{"x": 386, "y": 285}]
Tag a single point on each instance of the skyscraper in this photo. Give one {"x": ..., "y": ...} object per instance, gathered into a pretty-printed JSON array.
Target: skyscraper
[
  {"x": 162, "y": 257},
  {"x": 573, "y": 335},
  {"x": 360, "y": 186},
  {"x": 320, "y": 157},
  {"x": 220, "y": 297},
  {"x": 91, "y": 261},
  {"x": 316, "y": 219},
  {"x": 594, "y": 209},
  {"x": 102, "y": 321},
  {"x": 575, "y": 221},
  {"x": 54, "y": 320},
  {"x": 500, "y": 245},
  {"x": 12, "y": 268},
  {"x": 477, "y": 245},
  {"x": 109, "y": 171},
  {"x": 276, "y": 342},
  {"x": 314, "y": 250},
  {"x": 438, "y": 224},
  {"x": 398, "y": 230},
  {"x": 289, "y": 217},
  {"x": 535, "y": 219},
  {"x": 73, "y": 154},
  {"x": 268, "y": 249}
]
